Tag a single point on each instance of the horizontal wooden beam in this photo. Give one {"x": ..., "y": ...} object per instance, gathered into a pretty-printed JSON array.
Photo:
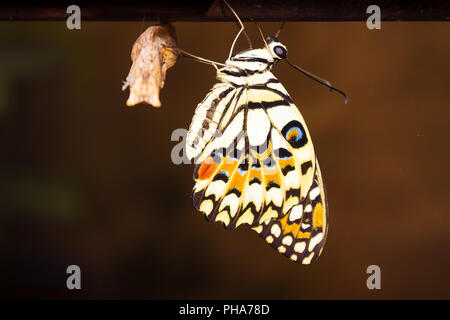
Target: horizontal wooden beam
[{"x": 215, "y": 10}]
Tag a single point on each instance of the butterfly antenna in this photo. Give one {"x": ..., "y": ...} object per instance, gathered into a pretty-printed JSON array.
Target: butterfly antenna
[
  {"x": 279, "y": 29},
  {"x": 319, "y": 80},
  {"x": 262, "y": 35}
]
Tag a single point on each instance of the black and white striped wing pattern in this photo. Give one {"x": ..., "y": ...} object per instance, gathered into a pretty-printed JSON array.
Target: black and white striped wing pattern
[{"x": 261, "y": 171}]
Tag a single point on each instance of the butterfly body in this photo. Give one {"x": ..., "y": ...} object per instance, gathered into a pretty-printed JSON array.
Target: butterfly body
[{"x": 255, "y": 161}]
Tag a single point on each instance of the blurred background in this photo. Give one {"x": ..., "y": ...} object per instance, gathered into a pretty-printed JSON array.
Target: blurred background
[{"x": 86, "y": 180}]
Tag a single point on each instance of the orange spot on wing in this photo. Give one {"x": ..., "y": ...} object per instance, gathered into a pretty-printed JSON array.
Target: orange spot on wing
[
  {"x": 318, "y": 216},
  {"x": 293, "y": 133},
  {"x": 304, "y": 235},
  {"x": 286, "y": 162},
  {"x": 207, "y": 169},
  {"x": 229, "y": 165},
  {"x": 238, "y": 181},
  {"x": 255, "y": 174},
  {"x": 271, "y": 175},
  {"x": 289, "y": 228}
]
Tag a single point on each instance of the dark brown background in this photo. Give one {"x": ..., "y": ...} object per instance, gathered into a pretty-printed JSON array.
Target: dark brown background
[{"x": 86, "y": 180}]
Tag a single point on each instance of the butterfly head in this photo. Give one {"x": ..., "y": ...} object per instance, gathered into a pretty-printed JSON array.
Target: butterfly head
[
  {"x": 259, "y": 60},
  {"x": 276, "y": 48}
]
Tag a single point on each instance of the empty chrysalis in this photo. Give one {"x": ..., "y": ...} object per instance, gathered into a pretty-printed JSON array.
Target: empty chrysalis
[{"x": 153, "y": 53}]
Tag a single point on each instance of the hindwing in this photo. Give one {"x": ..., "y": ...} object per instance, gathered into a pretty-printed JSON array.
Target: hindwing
[{"x": 300, "y": 235}]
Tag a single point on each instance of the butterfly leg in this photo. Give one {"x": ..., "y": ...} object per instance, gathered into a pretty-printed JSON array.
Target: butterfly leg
[
  {"x": 240, "y": 31},
  {"x": 202, "y": 60}
]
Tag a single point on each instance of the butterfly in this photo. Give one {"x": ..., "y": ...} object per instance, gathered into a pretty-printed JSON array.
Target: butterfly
[{"x": 255, "y": 160}]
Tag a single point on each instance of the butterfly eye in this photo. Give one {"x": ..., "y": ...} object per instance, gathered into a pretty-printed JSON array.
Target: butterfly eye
[
  {"x": 270, "y": 39},
  {"x": 280, "y": 52}
]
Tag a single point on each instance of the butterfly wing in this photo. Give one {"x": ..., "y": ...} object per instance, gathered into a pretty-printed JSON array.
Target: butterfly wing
[
  {"x": 209, "y": 114},
  {"x": 262, "y": 165},
  {"x": 301, "y": 234}
]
